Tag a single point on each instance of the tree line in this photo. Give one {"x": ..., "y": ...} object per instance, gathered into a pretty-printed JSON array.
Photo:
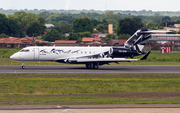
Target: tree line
[
  {"x": 22, "y": 24},
  {"x": 131, "y": 12}
]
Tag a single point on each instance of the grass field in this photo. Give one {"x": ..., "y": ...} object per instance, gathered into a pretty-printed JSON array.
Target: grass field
[
  {"x": 45, "y": 89},
  {"x": 155, "y": 58},
  {"x": 48, "y": 89}
]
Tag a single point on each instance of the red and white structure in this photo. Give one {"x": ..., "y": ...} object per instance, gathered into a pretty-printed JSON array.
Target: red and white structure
[{"x": 165, "y": 49}]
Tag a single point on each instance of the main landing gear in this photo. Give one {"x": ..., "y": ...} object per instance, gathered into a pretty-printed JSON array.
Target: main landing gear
[
  {"x": 23, "y": 65},
  {"x": 92, "y": 66}
]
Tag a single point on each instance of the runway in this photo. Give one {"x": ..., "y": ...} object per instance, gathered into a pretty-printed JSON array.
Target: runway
[
  {"x": 113, "y": 106},
  {"x": 150, "y": 108},
  {"x": 82, "y": 69}
]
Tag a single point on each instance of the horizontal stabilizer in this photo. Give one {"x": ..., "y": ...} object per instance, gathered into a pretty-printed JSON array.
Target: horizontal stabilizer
[
  {"x": 155, "y": 31},
  {"x": 145, "y": 56}
]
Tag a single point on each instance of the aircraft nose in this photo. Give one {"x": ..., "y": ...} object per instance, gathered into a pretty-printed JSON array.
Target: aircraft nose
[{"x": 14, "y": 57}]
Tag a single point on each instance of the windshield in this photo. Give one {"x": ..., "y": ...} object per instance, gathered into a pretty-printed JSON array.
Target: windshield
[{"x": 24, "y": 50}]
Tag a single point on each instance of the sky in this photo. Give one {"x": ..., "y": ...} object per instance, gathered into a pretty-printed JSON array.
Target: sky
[{"x": 137, "y": 5}]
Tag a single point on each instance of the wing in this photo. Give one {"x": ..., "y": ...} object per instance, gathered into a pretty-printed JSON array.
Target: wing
[
  {"x": 102, "y": 60},
  {"x": 99, "y": 60}
]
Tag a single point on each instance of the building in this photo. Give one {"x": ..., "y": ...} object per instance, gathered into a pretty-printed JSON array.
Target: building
[
  {"x": 177, "y": 25},
  {"x": 110, "y": 28},
  {"x": 64, "y": 43},
  {"x": 13, "y": 42},
  {"x": 48, "y": 26},
  {"x": 122, "y": 41},
  {"x": 95, "y": 35},
  {"x": 171, "y": 28},
  {"x": 102, "y": 35},
  {"x": 88, "y": 40}
]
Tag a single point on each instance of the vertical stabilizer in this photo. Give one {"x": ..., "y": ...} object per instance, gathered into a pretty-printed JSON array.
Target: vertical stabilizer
[{"x": 138, "y": 40}]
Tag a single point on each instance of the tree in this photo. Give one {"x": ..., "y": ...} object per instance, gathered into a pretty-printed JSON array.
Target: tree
[
  {"x": 129, "y": 26},
  {"x": 79, "y": 36},
  {"x": 82, "y": 25},
  {"x": 166, "y": 18},
  {"x": 59, "y": 29},
  {"x": 52, "y": 35},
  {"x": 41, "y": 22},
  {"x": 101, "y": 28},
  {"x": 157, "y": 18},
  {"x": 45, "y": 14},
  {"x": 14, "y": 27},
  {"x": 124, "y": 36},
  {"x": 25, "y": 20},
  {"x": 37, "y": 28},
  {"x": 4, "y": 24},
  {"x": 95, "y": 22},
  {"x": 60, "y": 17},
  {"x": 33, "y": 29},
  {"x": 67, "y": 28},
  {"x": 110, "y": 36},
  {"x": 3, "y": 35},
  {"x": 62, "y": 22}
]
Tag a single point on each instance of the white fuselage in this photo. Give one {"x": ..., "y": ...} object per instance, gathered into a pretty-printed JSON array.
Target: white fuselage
[{"x": 42, "y": 53}]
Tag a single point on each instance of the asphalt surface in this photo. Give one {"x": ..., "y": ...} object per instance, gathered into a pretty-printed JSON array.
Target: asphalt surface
[
  {"x": 150, "y": 108},
  {"x": 82, "y": 69},
  {"x": 132, "y": 110},
  {"x": 36, "y": 107}
]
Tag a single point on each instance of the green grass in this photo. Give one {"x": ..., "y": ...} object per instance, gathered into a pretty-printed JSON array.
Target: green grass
[
  {"x": 35, "y": 88},
  {"x": 155, "y": 58},
  {"x": 82, "y": 100},
  {"x": 87, "y": 83}
]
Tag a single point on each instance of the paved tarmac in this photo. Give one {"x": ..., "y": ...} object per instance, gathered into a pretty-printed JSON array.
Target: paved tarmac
[
  {"x": 133, "y": 110},
  {"x": 148, "y": 108},
  {"x": 82, "y": 69},
  {"x": 112, "y": 106}
]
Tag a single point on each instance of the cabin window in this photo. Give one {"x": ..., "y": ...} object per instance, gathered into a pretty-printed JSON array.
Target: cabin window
[
  {"x": 24, "y": 50},
  {"x": 85, "y": 52},
  {"x": 89, "y": 52},
  {"x": 81, "y": 52}
]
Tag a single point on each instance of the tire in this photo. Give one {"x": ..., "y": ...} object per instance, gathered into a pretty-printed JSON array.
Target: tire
[
  {"x": 23, "y": 67},
  {"x": 95, "y": 66},
  {"x": 89, "y": 65}
]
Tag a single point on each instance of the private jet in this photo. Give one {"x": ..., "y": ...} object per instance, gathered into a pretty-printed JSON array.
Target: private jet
[{"x": 92, "y": 57}]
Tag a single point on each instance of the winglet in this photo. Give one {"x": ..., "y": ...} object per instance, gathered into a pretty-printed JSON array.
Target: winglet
[{"x": 145, "y": 56}]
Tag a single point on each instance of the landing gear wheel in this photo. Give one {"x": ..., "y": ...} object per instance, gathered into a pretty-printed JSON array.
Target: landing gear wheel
[
  {"x": 89, "y": 65},
  {"x": 95, "y": 66},
  {"x": 92, "y": 66},
  {"x": 23, "y": 67}
]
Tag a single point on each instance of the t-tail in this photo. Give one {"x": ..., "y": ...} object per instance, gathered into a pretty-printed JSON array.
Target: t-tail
[
  {"x": 135, "y": 44},
  {"x": 138, "y": 40}
]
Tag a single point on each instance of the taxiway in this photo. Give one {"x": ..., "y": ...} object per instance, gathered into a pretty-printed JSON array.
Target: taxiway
[{"x": 82, "y": 69}]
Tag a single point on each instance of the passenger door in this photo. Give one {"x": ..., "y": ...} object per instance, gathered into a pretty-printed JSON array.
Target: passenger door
[{"x": 36, "y": 54}]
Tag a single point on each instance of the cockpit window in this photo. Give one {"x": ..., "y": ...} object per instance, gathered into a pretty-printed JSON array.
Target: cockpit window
[{"x": 24, "y": 50}]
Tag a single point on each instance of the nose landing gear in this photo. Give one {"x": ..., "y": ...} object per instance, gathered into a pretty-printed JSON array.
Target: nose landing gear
[{"x": 23, "y": 65}]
